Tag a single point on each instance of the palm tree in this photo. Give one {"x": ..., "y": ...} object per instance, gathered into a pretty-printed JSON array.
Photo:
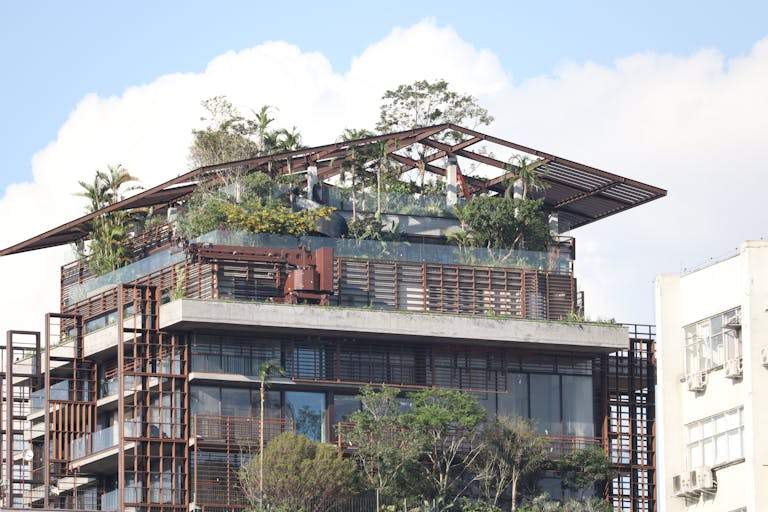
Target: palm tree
[
  {"x": 114, "y": 179},
  {"x": 96, "y": 193},
  {"x": 263, "y": 120},
  {"x": 266, "y": 369},
  {"x": 524, "y": 170}
]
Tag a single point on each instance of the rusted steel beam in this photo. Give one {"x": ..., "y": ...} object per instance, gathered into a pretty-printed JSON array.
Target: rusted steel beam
[
  {"x": 557, "y": 159},
  {"x": 584, "y": 195}
]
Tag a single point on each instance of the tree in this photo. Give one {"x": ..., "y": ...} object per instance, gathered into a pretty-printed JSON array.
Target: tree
[
  {"x": 299, "y": 475},
  {"x": 524, "y": 170},
  {"x": 424, "y": 103},
  {"x": 230, "y": 136},
  {"x": 543, "y": 503},
  {"x": 448, "y": 421},
  {"x": 266, "y": 370},
  {"x": 581, "y": 469},
  {"x": 109, "y": 232},
  {"x": 385, "y": 448},
  {"x": 512, "y": 451},
  {"x": 503, "y": 223},
  {"x": 353, "y": 168}
]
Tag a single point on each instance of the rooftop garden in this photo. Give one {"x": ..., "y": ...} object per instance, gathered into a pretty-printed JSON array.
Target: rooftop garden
[{"x": 361, "y": 202}]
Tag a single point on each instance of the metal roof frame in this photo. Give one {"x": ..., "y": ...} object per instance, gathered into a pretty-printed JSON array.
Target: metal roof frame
[{"x": 580, "y": 193}]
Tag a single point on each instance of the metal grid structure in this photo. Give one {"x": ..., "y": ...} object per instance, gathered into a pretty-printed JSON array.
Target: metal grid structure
[
  {"x": 20, "y": 376},
  {"x": 153, "y": 407},
  {"x": 579, "y": 193},
  {"x": 629, "y": 427}
]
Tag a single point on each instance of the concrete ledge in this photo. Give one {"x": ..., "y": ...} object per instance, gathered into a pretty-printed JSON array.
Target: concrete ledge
[{"x": 202, "y": 314}]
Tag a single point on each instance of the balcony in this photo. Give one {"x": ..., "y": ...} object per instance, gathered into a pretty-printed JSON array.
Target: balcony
[
  {"x": 236, "y": 430},
  {"x": 414, "y": 277},
  {"x": 101, "y": 440}
]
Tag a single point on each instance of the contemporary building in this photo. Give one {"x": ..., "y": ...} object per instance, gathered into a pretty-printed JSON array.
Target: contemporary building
[
  {"x": 142, "y": 392},
  {"x": 713, "y": 385}
]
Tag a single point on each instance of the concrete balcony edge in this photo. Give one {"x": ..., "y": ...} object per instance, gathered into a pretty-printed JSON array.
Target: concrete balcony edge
[{"x": 212, "y": 314}]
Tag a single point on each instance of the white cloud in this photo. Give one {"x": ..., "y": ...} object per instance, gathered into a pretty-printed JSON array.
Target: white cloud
[{"x": 695, "y": 124}]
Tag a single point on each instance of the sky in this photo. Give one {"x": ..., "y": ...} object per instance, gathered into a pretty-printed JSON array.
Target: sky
[{"x": 671, "y": 93}]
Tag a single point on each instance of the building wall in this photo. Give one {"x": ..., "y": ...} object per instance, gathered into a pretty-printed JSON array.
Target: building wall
[{"x": 740, "y": 281}]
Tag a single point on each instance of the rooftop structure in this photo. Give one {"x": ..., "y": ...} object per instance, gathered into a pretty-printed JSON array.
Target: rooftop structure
[{"x": 140, "y": 393}]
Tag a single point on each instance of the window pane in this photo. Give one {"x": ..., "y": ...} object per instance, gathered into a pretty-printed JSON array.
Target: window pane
[
  {"x": 514, "y": 403},
  {"x": 735, "y": 445},
  {"x": 272, "y": 406},
  {"x": 545, "y": 403},
  {"x": 694, "y": 455},
  {"x": 235, "y": 402},
  {"x": 694, "y": 432},
  {"x": 721, "y": 444},
  {"x": 307, "y": 412},
  {"x": 578, "y": 406},
  {"x": 344, "y": 406},
  {"x": 709, "y": 452},
  {"x": 205, "y": 400}
]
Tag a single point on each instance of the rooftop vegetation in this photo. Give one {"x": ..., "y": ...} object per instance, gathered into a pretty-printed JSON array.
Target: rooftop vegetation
[{"x": 370, "y": 181}]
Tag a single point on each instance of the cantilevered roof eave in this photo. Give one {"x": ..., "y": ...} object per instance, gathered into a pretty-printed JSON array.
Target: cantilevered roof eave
[{"x": 583, "y": 194}]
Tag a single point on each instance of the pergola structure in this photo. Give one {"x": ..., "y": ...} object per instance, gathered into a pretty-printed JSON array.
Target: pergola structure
[{"x": 579, "y": 193}]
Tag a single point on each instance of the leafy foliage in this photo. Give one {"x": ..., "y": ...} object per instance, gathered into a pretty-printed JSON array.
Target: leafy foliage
[
  {"x": 503, "y": 223},
  {"x": 388, "y": 449},
  {"x": 425, "y": 103},
  {"x": 448, "y": 421},
  {"x": 230, "y": 136},
  {"x": 543, "y": 503},
  {"x": 300, "y": 475},
  {"x": 369, "y": 227},
  {"x": 109, "y": 233},
  {"x": 256, "y": 212},
  {"x": 512, "y": 450},
  {"x": 582, "y": 468}
]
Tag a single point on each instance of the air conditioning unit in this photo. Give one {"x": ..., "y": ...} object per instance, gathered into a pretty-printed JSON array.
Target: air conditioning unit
[
  {"x": 697, "y": 381},
  {"x": 764, "y": 356},
  {"x": 704, "y": 479},
  {"x": 734, "y": 368},
  {"x": 682, "y": 485}
]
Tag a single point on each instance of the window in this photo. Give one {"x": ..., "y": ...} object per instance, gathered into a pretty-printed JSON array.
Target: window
[
  {"x": 715, "y": 440},
  {"x": 711, "y": 342},
  {"x": 235, "y": 402},
  {"x": 578, "y": 406},
  {"x": 545, "y": 403},
  {"x": 205, "y": 400},
  {"x": 514, "y": 403}
]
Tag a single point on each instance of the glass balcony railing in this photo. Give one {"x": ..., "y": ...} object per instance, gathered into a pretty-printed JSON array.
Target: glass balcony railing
[
  {"x": 125, "y": 274},
  {"x": 110, "y": 500},
  {"x": 111, "y": 387},
  {"x": 59, "y": 391},
  {"x": 554, "y": 260},
  {"x": 101, "y": 440}
]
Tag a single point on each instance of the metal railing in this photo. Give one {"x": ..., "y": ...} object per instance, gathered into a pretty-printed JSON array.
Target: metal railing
[{"x": 237, "y": 429}]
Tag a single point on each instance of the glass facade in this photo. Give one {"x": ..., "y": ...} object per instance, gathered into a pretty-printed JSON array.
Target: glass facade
[{"x": 556, "y": 393}]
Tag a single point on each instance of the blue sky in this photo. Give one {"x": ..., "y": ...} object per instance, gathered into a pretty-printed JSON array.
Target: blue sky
[
  {"x": 669, "y": 93},
  {"x": 53, "y": 53}
]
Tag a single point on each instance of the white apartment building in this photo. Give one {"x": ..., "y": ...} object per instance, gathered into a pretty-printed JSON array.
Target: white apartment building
[{"x": 712, "y": 394}]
